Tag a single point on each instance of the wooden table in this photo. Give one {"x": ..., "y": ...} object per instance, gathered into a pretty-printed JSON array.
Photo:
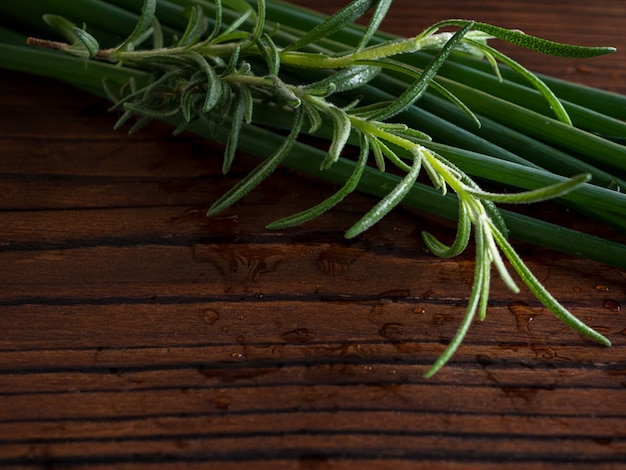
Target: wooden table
[{"x": 136, "y": 333}]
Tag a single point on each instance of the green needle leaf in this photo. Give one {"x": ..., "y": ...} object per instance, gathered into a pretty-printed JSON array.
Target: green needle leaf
[
  {"x": 341, "y": 133},
  {"x": 553, "y": 101},
  {"x": 314, "y": 117},
  {"x": 261, "y": 172},
  {"x": 214, "y": 85},
  {"x": 388, "y": 202},
  {"x": 231, "y": 31},
  {"x": 435, "y": 85},
  {"x": 217, "y": 23},
  {"x": 233, "y": 62},
  {"x": 260, "y": 21},
  {"x": 196, "y": 27},
  {"x": 88, "y": 41},
  {"x": 334, "y": 23},
  {"x": 62, "y": 25},
  {"x": 542, "y": 294},
  {"x": 531, "y": 42},
  {"x": 238, "y": 117},
  {"x": 145, "y": 111},
  {"x": 270, "y": 54},
  {"x": 377, "y": 18},
  {"x": 346, "y": 79},
  {"x": 536, "y": 195},
  {"x": 485, "y": 286},
  {"x": 144, "y": 22},
  {"x": 188, "y": 98},
  {"x": 379, "y": 158},
  {"x": 157, "y": 34},
  {"x": 418, "y": 87},
  {"x": 333, "y": 200},
  {"x": 470, "y": 312},
  {"x": 460, "y": 242},
  {"x": 83, "y": 43},
  {"x": 494, "y": 255}
]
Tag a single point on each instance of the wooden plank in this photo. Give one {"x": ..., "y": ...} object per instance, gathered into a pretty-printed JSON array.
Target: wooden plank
[
  {"x": 136, "y": 333},
  {"x": 277, "y": 268}
]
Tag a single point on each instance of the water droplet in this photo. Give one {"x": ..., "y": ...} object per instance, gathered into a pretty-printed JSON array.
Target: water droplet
[
  {"x": 602, "y": 288},
  {"x": 419, "y": 310},
  {"x": 428, "y": 294},
  {"x": 484, "y": 360},
  {"x": 407, "y": 347},
  {"x": 237, "y": 355},
  {"x": 210, "y": 316},
  {"x": 221, "y": 402},
  {"x": 299, "y": 335},
  {"x": 337, "y": 260},
  {"x": 613, "y": 305},
  {"x": 394, "y": 294},
  {"x": 525, "y": 394},
  {"x": 183, "y": 443},
  {"x": 604, "y": 441},
  {"x": 523, "y": 315},
  {"x": 391, "y": 331},
  {"x": 542, "y": 350},
  {"x": 238, "y": 263},
  {"x": 440, "y": 318},
  {"x": 230, "y": 375},
  {"x": 376, "y": 314}
]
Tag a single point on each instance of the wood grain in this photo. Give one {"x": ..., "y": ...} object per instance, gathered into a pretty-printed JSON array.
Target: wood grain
[{"x": 136, "y": 333}]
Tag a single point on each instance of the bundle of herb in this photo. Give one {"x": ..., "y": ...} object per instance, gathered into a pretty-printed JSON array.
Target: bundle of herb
[{"x": 444, "y": 103}]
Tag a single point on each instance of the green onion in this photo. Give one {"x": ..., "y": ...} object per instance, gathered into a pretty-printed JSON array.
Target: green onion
[{"x": 442, "y": 104}]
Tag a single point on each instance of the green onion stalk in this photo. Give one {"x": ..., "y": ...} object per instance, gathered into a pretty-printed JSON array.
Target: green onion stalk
[{"x": 444, "y": 106}]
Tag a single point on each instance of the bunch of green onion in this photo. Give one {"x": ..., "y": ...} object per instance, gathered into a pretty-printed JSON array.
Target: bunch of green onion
[{"x": 442, "y": 107}]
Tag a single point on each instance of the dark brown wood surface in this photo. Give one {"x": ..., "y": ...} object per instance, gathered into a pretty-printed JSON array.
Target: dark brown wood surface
[{"x": 136, "y": 333}]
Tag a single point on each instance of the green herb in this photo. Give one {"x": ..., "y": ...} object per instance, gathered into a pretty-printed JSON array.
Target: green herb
[{"x": 234, "y": 72}]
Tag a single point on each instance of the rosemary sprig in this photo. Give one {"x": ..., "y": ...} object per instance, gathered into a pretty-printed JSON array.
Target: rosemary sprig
[{"x": 228, "y": 71}]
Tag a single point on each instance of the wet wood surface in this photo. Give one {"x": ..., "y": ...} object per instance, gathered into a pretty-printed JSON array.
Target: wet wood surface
[{"x": 136, "y": 333}]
